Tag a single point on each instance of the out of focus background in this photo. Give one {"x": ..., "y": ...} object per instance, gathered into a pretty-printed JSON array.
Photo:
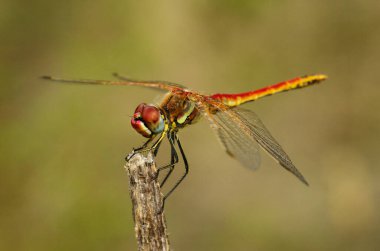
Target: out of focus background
[{"x": 62, "y": 147}]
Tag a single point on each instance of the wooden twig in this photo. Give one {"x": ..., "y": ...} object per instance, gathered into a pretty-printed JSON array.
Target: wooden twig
[{"x": 150, "y": 224}]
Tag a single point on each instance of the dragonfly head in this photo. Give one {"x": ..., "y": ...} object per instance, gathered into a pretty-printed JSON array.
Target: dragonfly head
[{"x": 148, "y": 120}]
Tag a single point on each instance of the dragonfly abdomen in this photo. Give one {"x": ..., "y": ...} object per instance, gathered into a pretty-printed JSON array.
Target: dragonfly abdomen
[{"x": 240, "y": 98}]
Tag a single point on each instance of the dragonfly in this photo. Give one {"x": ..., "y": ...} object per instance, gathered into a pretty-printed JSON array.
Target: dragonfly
[{"x": 239, "y": 130}]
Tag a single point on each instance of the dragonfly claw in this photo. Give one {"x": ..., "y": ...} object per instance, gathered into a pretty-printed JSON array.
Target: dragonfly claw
[
  {"x": 137, "y": 150},
  {"x": 155, "y": 177},
  {"x": 161, "y": 208},
  {"x": 130, "y": 155}
]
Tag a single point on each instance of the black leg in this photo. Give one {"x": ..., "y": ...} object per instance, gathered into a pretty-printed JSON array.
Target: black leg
[
  {"x": 173, "y": 161},
  {"x": 183, "y": 176},
  {"x": 144, "y": 147},
  {"x": 139, "y": 149},
  {"x": 156, "y": 150}
]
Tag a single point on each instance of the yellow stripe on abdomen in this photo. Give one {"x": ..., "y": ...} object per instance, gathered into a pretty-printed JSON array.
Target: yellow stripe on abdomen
[{"x": 237, "y": 99}]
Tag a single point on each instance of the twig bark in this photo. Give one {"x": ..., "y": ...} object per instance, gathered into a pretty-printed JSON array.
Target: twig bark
[{"x": 150, "y": 224}]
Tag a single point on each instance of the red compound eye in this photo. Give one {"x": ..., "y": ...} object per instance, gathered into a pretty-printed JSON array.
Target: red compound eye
[
  {"x": 147, "y": 120},
  {"x": 139, "y": 126},
  {"x": 140, "y": 108},
  {"x": 151, "y": 114}
]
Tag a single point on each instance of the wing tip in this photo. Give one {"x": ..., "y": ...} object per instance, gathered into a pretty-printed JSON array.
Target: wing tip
[
  {"x": 292, "y": 169},
  {"x": 300, "y": 176},
  {"x": 118, "y": 76},
  {"x": 46, "y": 77},
  {"x": 303, "y": 180}
]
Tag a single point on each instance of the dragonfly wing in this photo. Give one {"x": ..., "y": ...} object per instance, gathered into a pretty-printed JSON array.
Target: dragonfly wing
[
  {"x": 239, "y": 130},
  {"x": 261, "y": 134},
  {"x": 237, "y": 144},
  {"x": 246, "y": 151},
  {"x": 159, "y": 82},
  {"x": 163, "y": 85}
]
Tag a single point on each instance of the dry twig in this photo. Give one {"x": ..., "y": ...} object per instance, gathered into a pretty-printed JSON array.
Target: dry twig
[{"x": 150, "y": 225}]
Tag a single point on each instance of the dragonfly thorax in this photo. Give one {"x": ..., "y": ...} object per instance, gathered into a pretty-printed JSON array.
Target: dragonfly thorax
[
  {"x": 148, "y": 120},
  {"x": 179, "y": 110}
]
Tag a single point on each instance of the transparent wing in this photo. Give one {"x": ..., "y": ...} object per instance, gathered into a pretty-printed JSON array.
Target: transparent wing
[
  {"x": 239, "y": 130},
  {"x": 163, "y": 85},
  {"x": 266, "y": 140},
  {"x": 160, "y": 82},
  {"x": 237, "y": 144}
]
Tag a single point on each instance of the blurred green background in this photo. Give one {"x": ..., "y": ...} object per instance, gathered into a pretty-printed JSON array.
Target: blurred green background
[{"x": 62, "y": 182}]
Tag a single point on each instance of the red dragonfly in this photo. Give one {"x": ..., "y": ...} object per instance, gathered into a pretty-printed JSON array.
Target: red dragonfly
[{"x": 239, "y": 130}]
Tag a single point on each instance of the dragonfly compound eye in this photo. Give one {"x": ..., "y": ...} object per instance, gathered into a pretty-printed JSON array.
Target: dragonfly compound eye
[{"x": 147, "y": 120}]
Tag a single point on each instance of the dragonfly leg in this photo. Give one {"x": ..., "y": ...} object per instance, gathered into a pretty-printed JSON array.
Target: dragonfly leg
[
  {"x": 183, "y": 176},
  {"x": 144, "y": 147},
  {"x": 173, "y": 161},
  {"x": 139, "y": 149},
  {"x": 157, "y": 143},
  {"x": 156, "y": 149}
]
